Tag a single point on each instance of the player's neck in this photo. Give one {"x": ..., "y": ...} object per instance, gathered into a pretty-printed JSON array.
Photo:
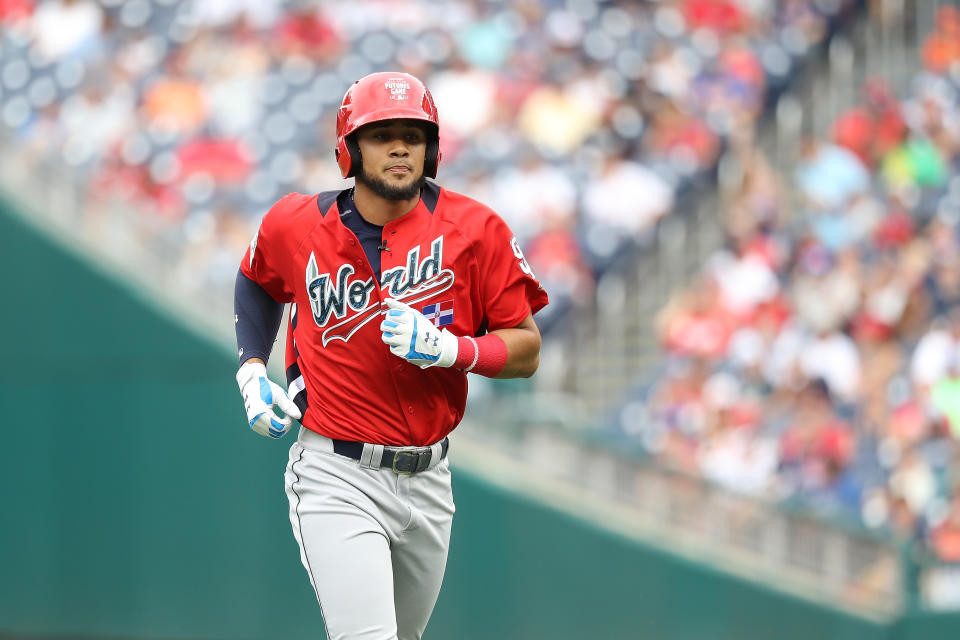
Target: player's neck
[{"x": 378, "y": 210}]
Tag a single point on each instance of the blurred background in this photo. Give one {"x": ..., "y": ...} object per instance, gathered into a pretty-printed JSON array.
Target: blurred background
[{"x": 747, "y": 414}]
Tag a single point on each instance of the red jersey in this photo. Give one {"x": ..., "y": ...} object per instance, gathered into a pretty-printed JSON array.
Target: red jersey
[{"x": 451, "y": 258}]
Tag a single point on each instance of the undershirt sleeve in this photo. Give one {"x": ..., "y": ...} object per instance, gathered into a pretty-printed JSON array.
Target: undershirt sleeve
[{"x": 257, "y": 319}]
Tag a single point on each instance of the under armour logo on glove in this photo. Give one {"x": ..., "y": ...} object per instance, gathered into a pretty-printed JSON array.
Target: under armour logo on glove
[{"x": 412, "y": 337}]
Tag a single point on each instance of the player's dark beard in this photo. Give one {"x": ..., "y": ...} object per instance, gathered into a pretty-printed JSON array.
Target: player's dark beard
[{"x": 388, "y": 191}]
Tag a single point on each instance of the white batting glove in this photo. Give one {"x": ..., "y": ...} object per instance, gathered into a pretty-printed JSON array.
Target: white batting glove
[
  {"x": 415, "y": 339},
  {"x": 259, "y": 397}
]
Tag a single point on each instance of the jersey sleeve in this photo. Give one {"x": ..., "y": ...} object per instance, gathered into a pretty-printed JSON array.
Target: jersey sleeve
[
  {"x": 266, "y": 259},
  {"x": 509, "y": 288}
]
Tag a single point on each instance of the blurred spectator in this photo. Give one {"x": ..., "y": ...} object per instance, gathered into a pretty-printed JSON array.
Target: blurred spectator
[
  {"x": 222, "y": 160},
  {"x": 894, "y": 228},
  {"x": 63, "y": 28},
  {"x": 486, "y": 43},
  {"x": 829, "y": 176},
  {"x": 826, "y": 290},
  {"x": 678, "y": 415},
  {"x": 816, "y": 451},
  {"x": 175, "y": 104},
  {"x": 945, "y": 537},
  {"x": 733, "y": 454},
  {"x": 684, "y": 140},
  {"x": 98, "y": 118},
  {"x": 13, "y": 12},
  {"x": 914, "y": 482},
  {"x": 723, "y": 16},
  {"x": 832, "y": 356},
  {"x": 937, "y": 351},
  {"x": 885, "y": 297},
  {"x": 672, "y": 70},
  {"x": 736, "y": 87},
  {"x": 945, "y": 395},
  {"x": 558, "y": 262},
  {"x": 943, "y": 282},
  {"x": 751, "y": 349},
  {"x": 745, "y": 277},
  {"x": 532, "y": 194},
  {"x": 626, "y": 196},
  {"x": 306, "y": 32},
  {"x": 556, "y": 120},
  {"x": 756, "y": 204},
  {"x": 219, "y": 13},
  {"x": 941, "y": 48},
  {"x": 916, "y": 163},
  {"x": 694, "y": 324},
  {"x": 873, "y": 128}
]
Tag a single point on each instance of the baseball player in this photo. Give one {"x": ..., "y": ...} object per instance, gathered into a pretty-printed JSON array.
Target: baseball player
[{"x": 398, "y": 289}]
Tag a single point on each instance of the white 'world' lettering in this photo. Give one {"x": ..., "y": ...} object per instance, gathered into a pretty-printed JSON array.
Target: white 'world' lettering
[{"x": 334, "y": 297}]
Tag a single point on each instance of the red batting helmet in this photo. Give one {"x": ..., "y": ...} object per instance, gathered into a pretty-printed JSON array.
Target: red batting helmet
[{"x": 380, "y": 96}]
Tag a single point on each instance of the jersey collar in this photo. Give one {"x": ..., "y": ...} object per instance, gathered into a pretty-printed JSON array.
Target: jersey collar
[{"x": 420, "y": 214}]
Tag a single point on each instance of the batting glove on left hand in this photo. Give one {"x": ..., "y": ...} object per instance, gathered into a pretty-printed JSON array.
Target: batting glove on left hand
[
  {"x": 259, "y": 397},
  {"x": 415, "y": 339}
]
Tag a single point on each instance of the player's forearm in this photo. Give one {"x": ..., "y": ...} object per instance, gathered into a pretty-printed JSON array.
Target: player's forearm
[
  {"x": 523, "y": 349},
  {"x": 256, "y": 319}
]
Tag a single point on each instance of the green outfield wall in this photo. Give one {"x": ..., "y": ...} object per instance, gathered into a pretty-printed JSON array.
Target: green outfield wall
[{"x": 135, "y": 503}]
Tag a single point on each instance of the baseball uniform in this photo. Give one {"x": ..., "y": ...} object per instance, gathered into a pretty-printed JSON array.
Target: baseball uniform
[{"x": 368, "y": 480}]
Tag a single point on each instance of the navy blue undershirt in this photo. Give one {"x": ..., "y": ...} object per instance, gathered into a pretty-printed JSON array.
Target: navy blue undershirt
[
  {"x": 370, "y": 235},
  {"x": 257, "y": 318}
]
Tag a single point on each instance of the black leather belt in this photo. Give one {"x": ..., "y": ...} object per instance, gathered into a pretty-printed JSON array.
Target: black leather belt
[{"x": 401, "y": 460}]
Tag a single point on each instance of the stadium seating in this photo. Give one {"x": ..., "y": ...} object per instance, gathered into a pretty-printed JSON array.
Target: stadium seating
[
  {"x": 816, "y": 360},
  {"x": 196, "y": 116}
]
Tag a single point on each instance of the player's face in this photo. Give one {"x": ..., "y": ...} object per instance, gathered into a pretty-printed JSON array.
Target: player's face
[{"x": 392, "y": 154}]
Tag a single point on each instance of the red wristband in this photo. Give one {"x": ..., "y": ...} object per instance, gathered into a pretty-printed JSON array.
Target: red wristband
[{"x": 485, "y": 356}]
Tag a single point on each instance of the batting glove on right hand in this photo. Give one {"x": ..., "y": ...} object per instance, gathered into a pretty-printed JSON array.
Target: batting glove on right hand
[
  {"x": 259, "y": 397},
  {"x": 412, "y": 337}
]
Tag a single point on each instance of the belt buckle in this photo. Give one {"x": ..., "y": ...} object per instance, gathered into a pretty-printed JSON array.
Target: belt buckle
[{"x": 414, "y": 461}]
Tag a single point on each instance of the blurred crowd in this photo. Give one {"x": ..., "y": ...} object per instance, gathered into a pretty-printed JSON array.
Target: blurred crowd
[
  {"x": 577, "y": 120},
  {"x": 816, "y": 358}
]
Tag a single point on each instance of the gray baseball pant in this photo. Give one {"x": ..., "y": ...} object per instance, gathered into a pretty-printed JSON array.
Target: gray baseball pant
[{"x": 374, "y": 542}]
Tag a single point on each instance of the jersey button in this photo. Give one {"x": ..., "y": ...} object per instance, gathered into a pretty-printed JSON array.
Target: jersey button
[
  {"x": 353, "y": 242},
  {"x": 410, "y": 409}
]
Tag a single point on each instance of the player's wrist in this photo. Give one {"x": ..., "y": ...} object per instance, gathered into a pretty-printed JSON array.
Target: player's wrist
[
  {"x": 485, "y": 356},
  {"x": 250, "y": 369},
  {"x": 467, "y": 353},
  {"x": 451, "y": 347}
]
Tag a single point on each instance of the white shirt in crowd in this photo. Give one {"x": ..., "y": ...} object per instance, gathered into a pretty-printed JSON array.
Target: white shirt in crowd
[{"x": 933, "y": 356}]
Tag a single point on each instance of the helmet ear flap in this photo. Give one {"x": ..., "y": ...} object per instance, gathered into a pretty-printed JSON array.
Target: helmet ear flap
[
  {"x": 431, "y": 158},
  {"x": 355, "y": 160}
]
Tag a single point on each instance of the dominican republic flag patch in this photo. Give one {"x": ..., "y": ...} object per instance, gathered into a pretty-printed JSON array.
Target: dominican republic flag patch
[{"x": 439, "y": 313}]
